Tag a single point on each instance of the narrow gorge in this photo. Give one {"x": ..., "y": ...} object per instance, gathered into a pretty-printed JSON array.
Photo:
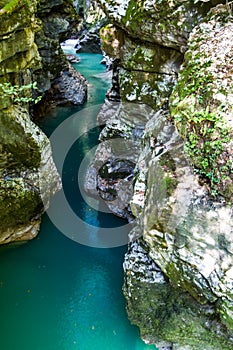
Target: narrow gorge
[{"x": 164, "y": 158}]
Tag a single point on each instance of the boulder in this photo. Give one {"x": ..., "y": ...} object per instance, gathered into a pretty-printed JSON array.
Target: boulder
[
  {"x": 28, "y": 176},
  {"x": 69, "y": 88}
]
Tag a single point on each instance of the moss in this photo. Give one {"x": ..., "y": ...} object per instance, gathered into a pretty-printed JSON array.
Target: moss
[
  {"x": 169, "y": 168},
  {"x": 148, "y": 57},
  {"x": 176, "y": 316},
  {"x": 19, "y": 202},
  {"x": 160, "y": 20},
  {"x": 23, "y": 149},
  {"x": 225, "y": 309},
  {"x": 110, "y": 40},
  {"x": 19, "y": 15},
  {"x": 149, "y": 88},
  {"x": 175, "y": 272},
  {"x": 201, "y": 119}
]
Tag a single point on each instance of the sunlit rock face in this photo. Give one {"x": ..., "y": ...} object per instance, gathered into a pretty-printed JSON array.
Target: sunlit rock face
[
  {"x": 111, "y": 173},
  {"x": 187, "y": 234},
  {"x": 147, "y": 72},
  {"x": 178, "y": 270},
  {"x": 167, "y": 23},
  {"x": 149, "y": 38}
]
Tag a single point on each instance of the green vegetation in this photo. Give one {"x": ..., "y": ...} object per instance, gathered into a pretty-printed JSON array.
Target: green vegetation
[
  {"x": 9, "y": 6},
  {"x": 201, "y": 118},
  {"x": 20, "y": 94},
  {"x": 196, "y": 78},
  {"x": 206, "y": 137}
]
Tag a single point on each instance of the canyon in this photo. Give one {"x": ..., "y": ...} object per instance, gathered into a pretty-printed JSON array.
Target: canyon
[{"x": 170, "y": 109}]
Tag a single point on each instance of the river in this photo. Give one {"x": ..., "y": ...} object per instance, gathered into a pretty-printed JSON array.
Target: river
[{"x": 57, "y": 294}]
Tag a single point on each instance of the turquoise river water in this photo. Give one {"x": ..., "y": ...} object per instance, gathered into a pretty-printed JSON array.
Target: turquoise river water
[{"x": 56, "y": 294}]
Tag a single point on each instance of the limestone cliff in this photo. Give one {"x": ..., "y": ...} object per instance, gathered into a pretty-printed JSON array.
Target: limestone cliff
[
  {"x": 178, "y": 270},
  {"x": 30, "y": 35}
]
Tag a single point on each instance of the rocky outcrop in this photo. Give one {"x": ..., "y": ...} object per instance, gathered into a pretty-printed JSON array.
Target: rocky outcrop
[
  {"x": 59, "y": 22},
  {"x": 90, "y": 11},
  {"x": 166, "y": 23},
  {"x": 182, "y": 230},
  {"x": 178, "y": 270},
  {"x": 70, "y": 87},
  {"x": 28, "y": 176},
  {"x": 144, "y": 75},
  {"x": 30, "y": 51},
  {"x": 89, "y": 41},
  {"x": 92, "y": 19},
  {"x": 111, "y": 173},
  {"x": 149, "y": 39},
  {"x": 168, "y": 316}
]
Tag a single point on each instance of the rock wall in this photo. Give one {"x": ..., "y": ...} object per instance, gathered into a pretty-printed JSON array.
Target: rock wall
[
  {"x": 30, "y": 35},
  {"x": 57, "y": 81},
  {"x": 149, "y": 38},
  {"x": 202, "y": 101},
  {"x": 178, "y": 270}
]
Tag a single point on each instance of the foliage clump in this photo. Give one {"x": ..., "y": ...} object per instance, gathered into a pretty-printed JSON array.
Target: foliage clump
[
  {"x": 19, "y": 94},
  {"x": 201, "y": 104}
]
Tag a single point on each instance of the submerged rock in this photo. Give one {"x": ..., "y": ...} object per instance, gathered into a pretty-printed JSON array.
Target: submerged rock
[{"x": 72, "y": 58}]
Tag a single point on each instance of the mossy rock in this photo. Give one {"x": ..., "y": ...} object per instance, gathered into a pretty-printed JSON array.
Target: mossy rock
[
  {"x": 151, "y": 89},
  {"x": 16, "y": 15},
  {"x": 201, "y": 103},
  {"x": 111, "y": 38},
  {"x": 19, "y": 202},
  {"x": 167, "y": 23},
  {"x": 168, "y": 314},
  {"x": 21, "y": 140}
]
